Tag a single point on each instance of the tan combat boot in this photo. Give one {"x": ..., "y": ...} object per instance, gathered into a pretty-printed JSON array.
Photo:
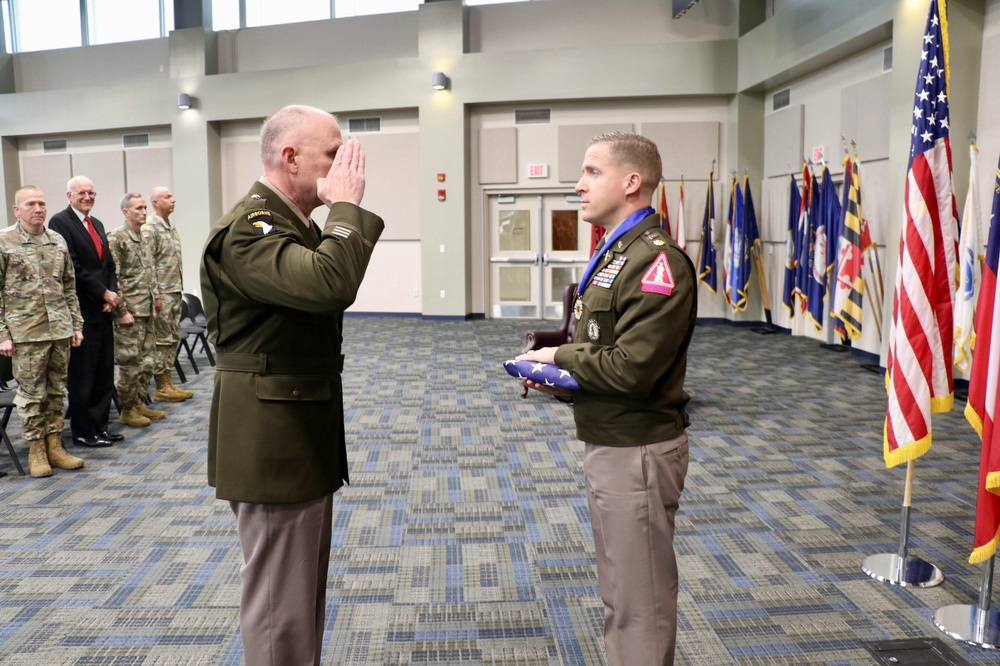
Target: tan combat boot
[
  {"x": 38, "y": 459},
  {"x": 151, "y": 414},
  {"x": 59, "y": 457},
  {"x": 131, "y": 416},
  {"x": 187, "y": 395},
  {"x": 165, "y": 390}
]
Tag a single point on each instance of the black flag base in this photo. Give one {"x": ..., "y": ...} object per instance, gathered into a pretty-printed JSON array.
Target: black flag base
[
  {"x": 768, "y": 328},
  {"x": 872, "y": 367},
  {"x": 835, "y": 347}
]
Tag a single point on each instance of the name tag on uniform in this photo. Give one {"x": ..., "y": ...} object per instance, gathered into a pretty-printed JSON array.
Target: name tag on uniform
[{"x": 605, "y": 276}]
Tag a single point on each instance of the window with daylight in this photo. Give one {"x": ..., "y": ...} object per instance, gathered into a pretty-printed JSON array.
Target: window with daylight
[
  {"x": 225, "y": 15},
  {"x": 35, "y": 25},
  {"x": 45, "y": 24},
  {"x": 7, "y": 34},
  {"x": 366, "y": 7},
  {"x": 274, "y": 12},
  {"x": 125, "y": 20}
]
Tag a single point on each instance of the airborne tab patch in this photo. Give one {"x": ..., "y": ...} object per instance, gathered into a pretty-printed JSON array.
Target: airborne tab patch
[
  {"x": 261, "y": 221},
  {"x": 659, "y": 279}
]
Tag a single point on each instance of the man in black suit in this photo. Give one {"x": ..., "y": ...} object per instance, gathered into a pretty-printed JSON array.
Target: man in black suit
[{"x": 91, "y": 365}]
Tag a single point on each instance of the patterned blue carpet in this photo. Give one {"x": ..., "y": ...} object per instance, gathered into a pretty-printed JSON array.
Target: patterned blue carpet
[{"x": 464, "y": 537}]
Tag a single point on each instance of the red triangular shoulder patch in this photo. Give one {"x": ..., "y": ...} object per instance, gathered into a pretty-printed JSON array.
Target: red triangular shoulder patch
[{"x": 659, "y": 279}]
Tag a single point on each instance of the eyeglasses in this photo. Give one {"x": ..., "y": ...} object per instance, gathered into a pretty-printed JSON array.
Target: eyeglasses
[{"x": 85, "y": 193}]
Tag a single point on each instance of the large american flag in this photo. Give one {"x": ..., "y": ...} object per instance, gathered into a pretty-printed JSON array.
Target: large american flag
[{"x": 919, "y": 365}]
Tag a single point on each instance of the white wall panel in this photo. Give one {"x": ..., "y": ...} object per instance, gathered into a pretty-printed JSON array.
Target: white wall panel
[
  {"x": 146, "y": 168},
  {"x": 106, "y": 169},
  {"x": 392, "y": 282},
  {"x": 50, "y": 173},
  {"x": 392, "y": 187}
]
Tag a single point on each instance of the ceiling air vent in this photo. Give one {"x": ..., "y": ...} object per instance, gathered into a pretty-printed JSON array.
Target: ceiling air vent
[
  {"x": 356, "y": 125},
  {"x": 532, "y": 116},
  {"x": 887, "y": 59},
  {"x": 781, "y": 99},
  {"x": 54, "y": 145},
  {"x": 135, "y": 140}
]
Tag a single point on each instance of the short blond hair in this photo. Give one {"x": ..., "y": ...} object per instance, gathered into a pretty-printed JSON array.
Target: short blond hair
[{"x": 634, "y": 152}]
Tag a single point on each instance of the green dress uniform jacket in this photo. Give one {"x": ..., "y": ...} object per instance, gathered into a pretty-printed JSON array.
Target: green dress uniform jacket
[
  {"x": 629, "y": 349},
  {"x": 275, "y": 291}
]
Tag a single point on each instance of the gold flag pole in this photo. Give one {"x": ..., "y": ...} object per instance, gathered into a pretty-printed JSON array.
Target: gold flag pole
[{"x": 876, "y": 312}]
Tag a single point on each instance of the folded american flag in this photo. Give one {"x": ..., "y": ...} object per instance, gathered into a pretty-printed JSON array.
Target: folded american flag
[{"x": 546, "y": 374}]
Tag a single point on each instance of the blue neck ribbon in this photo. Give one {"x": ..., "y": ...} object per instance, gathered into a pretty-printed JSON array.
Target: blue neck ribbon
[{"x": 623, "y": 228}]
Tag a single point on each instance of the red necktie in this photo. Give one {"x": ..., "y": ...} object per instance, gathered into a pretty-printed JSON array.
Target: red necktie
[{"x": 94, "y": 237}]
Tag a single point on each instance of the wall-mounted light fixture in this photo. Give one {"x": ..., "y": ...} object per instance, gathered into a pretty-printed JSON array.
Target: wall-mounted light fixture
[
  {"x": 184, "y": 101},
  {"x": 439, "y": 81}
]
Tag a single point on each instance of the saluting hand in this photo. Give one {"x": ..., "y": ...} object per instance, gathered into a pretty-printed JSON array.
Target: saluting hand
[{"x": 346, "y": 178}]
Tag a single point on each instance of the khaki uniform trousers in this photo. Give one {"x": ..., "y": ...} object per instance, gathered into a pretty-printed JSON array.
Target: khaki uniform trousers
[
  {"x": 286, "y": 556},
  {"x": 633, "y": 493}
]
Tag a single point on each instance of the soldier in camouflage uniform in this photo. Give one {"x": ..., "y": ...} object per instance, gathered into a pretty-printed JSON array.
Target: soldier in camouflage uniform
[
  {"x": 134, "y": 337},
  {"x": 166, "y": 250},
  {"x": 39, "y": 321}
]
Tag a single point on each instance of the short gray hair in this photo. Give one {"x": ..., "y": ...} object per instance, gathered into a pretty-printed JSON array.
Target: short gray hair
[
  {"x": 77, "y": 179},
  {"x": 277, "y": 126},
  {"x": 128, "y": 198}
]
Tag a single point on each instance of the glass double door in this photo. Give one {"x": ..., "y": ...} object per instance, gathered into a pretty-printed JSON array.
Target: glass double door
[{"x": 538, "y": 245}]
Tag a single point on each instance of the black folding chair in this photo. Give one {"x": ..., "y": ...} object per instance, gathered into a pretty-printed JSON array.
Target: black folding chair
[
  {"x": 187, "y": 329},
  {"x": 7, "y": 393},
  {"x": 196, "y": 315}
]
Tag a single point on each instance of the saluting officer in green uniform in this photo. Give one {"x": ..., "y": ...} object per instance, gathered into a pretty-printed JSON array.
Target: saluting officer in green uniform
[
  {"x": 39, "y": 320},
  {"x": 635, "y": 315},
  {"x": 275, "y": 288}
]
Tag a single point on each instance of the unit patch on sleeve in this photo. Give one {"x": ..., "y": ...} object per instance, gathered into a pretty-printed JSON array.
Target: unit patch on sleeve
[
  {"x": 607, "y": 275},
  {"x": 659, "y": 279},
  {"x": 261, "y": 221}
]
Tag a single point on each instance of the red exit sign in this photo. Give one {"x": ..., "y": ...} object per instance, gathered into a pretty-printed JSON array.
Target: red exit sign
[{"x": 538, "y": 171}]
